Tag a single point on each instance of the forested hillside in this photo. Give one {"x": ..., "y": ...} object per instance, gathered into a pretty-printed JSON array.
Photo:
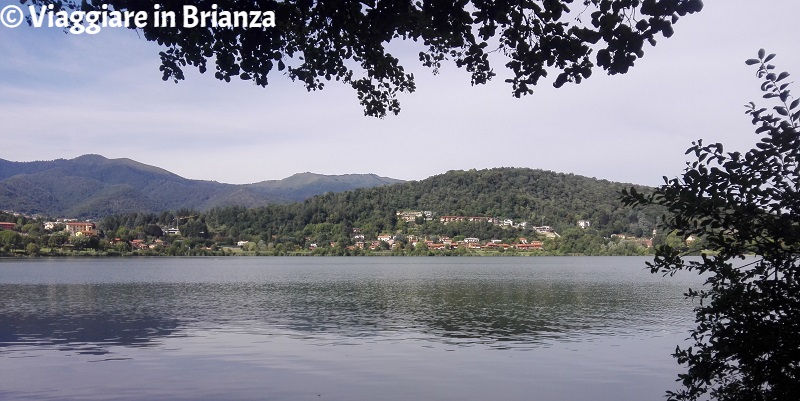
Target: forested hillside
[
  {"x": 540, "y": 198},
  {"x": 92, "y": 186}
]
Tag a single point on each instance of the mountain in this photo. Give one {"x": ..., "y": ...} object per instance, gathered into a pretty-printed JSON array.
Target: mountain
[
  {"x": 302, "y": 186},
  {"x": 536, "y": 196},
  {"x": 94, "y": 186}
]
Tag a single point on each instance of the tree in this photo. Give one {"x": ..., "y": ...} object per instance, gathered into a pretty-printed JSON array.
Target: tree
[
  {"x": 153, "y": 230},
  {"x": 32, "y": 249},
  {"x": 315, "y": 42},
  {"x": 57, "y": 239},
  {"x": 9, "y": 240},
  {"x": 746, "y": 345}
]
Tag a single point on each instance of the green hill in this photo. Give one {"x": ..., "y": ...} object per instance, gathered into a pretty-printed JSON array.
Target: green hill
[{"x": 534, "y": 196}]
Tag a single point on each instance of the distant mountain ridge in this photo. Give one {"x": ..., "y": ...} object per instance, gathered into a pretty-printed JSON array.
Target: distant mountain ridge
[{"x": 94, "y": 186}]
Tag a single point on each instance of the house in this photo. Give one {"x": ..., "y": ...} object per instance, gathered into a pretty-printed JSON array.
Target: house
[
  {"x": 7, "y": 226},
  {"x": 242, "y": 243},
  {"x": 533, "y": 246},
  {"x": 81, "y": 228},
  {"x": 385, "y": 238},
  {"x": 547, "y": 231},
  {"x": 584, "y": 224},
  {"x": 447, "y": 219},
  {"x": 409, "y": 215},
  {"x": 477, "y": 219},
  {"x": 471, "y": 240}
]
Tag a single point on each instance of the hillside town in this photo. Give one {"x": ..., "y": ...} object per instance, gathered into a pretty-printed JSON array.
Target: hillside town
[{"x": 69, "y": 235}]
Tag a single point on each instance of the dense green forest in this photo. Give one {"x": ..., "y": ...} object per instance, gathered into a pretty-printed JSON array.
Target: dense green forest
[
  {"x": 541, "y": 198},
  {"x": 516, "y": 200},
  {"x": 92, "y": 186}
]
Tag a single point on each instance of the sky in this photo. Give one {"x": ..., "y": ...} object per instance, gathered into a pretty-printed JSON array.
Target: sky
[{"x": 62, "y": 96}]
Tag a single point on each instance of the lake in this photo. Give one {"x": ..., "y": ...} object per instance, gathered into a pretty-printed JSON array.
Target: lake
[{"x": 369, "y": 328}]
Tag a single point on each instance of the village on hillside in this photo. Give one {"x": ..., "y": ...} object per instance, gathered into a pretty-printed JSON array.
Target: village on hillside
[{"x": 35, "y": 236}]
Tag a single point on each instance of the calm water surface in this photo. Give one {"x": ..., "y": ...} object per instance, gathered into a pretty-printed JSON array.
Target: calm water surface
[{"x": 565, "y": 328}]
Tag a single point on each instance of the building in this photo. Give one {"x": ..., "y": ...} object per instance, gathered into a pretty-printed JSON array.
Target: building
[
  {"x": 584, "y": 224},
  {"x": 409, "y": 215},
  {"x": 7, "y": 226},
  {"x": 80, "y": 228},
  {"x": 547, "y": 231},
  {"x": 532, "y": 246},
  {"x": 475, "y": 219}
]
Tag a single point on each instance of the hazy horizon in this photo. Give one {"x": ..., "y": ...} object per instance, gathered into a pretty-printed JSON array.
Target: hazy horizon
[
  {"x": 311, "y": 172},
  {"x": 62, "y": 96}
]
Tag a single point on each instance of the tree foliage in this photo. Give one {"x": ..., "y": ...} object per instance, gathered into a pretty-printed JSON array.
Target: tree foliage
[
  {"x": 535, "y": 196},
  {"x": 315, "y": 42},
  {"x": 746, "y": 345}
]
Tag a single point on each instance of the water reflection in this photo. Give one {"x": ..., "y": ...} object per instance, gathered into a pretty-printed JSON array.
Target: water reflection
[
  {"x": 509, "y": 308},
  {"x": 83, "y": 318}
]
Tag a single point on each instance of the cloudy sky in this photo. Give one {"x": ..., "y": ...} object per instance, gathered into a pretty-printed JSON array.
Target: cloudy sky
[{"x": 62, "y": 96}]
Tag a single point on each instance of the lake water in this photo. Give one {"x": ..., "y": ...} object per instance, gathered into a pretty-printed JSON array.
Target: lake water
[{"x": 369, "y": 328}]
